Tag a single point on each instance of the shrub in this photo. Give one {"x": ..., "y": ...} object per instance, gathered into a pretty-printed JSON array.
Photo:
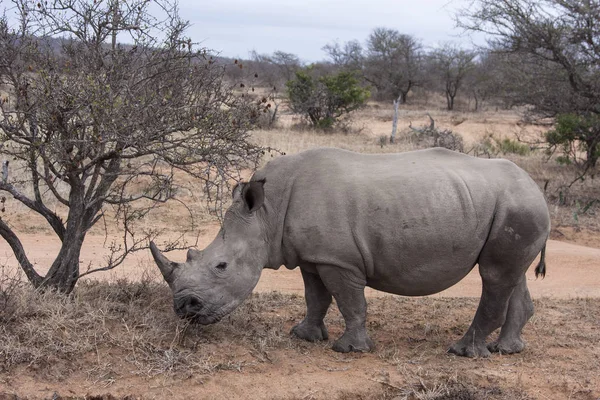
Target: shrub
[
  {"x": 324, "y": 100},
  {"x": 576, "y": 133},
  {"x": 492, "y": 146}
]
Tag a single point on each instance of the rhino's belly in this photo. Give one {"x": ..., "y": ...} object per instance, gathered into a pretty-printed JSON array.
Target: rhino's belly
[{"x": 421, "y": 282}]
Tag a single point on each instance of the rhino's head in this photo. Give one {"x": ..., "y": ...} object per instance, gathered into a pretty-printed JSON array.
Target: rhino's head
[{"x": 213, "y": 282}]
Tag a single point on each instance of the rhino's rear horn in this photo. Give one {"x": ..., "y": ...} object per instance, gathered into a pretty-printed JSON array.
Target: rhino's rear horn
[{"x": 164, "y": 264}]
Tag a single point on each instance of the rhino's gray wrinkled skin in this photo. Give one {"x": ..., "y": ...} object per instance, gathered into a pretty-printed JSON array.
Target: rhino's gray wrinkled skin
[{"x": 412, "y": 224}]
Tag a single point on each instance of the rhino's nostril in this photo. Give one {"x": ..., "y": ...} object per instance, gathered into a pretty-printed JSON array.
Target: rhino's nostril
[
  {"x": 188, "y": 306},
  {"x": 194, "y": 303}
]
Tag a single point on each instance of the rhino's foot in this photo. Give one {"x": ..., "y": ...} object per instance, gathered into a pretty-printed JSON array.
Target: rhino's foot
[
  {"x": 506, "y": 347},
  {"x": 310, "y": 332},
  {"x": 348, "y": 343},
  {"x": 471, "y": 350}
]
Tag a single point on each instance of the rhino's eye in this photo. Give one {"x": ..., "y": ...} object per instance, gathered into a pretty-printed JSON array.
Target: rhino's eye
[{"x": 222, "y": 266}]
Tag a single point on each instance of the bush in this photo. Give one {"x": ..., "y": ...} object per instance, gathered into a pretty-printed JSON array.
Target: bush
[
  {"x": 576, "y": 133},
  {"x": 324, "y": 100},
  {"x": 509, "y": 146},
  {"x": 431, "y": 136},
  {"x": 492, "y": 146}
]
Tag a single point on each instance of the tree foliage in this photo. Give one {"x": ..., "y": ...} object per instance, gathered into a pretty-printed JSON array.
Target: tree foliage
[
  {"x": 323, "y": 100},
  {"x": 574, "y": 135},
  {"x": 101, "y": 128},
  {"x": 393, "y": 63}
]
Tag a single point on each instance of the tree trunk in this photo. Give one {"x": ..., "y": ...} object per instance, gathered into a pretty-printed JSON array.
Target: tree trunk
[
  {"x": 592, "y": 150},
  {"x": 64, "y": 272},
  {"x": 273, "y": 117},
  {"x": 403, "y": 96},
  {"x": 395, "y": 120},
  {"x": 449, "y": 100}
]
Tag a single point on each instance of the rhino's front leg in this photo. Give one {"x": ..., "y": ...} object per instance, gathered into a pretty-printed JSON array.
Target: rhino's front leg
[
  {"x": 318, "y": 299},
  {"x": 348, "y": 289}
]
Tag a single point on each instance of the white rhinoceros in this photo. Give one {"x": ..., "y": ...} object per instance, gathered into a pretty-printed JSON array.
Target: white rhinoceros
[{"x": 411, "y": 224}]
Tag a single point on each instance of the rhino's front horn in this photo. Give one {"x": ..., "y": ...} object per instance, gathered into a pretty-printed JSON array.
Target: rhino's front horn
[{"x": 164, "y": 264}]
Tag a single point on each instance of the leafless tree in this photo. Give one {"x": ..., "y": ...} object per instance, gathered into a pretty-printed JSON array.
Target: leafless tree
[
  {"x": 350, "y": 56},
  {"x": 453, "y": 65},
  {"x": 278, "y": 68},
  {"x": 101, "y": 128},
  {"x": 485, "y": 80}
]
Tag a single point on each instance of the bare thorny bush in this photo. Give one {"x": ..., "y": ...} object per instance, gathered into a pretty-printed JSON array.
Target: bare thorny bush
[
  {"x": 102, "y": 128},
  {"x": 431, "y": 136}
]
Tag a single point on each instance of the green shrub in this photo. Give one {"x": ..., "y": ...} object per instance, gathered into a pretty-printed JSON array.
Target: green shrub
[
  {"x": 324, "y": 100},
  {"x": 493, "y": 146},
  {"x": 508, "y": 146},
  {"x": 574, "y": 135}
]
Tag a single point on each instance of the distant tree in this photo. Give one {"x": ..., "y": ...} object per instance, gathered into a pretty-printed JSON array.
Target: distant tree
[
  {"x": 349, "y": 56},
  {"x": 484, "y": 81},
  {"x": 556, "y": 42},
  {"x": 453, "y": 66},
  {"x": 279, "y": 67},
  {"x": 323, "y": 100},
  {"x": 101, "y": 128},
  {"x": 393, "y": 63}
]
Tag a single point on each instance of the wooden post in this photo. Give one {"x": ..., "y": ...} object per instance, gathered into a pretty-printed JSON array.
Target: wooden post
[{"x": 395, "y": 120}]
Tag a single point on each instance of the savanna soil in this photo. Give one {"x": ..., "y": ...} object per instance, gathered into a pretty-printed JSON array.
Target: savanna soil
[{"x": 250, "y": 354}]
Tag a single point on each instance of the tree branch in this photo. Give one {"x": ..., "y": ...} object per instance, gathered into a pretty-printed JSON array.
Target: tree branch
[
  {"x": 19, "y": 252},
  {"x": 53, "y": 219}
]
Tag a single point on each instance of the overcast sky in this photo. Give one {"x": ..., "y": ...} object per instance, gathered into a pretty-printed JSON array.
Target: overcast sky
[{"x": 303, "y": 27}]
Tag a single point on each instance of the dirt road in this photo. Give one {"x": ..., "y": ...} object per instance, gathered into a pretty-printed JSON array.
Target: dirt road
[{"x": 573, "y": 271}]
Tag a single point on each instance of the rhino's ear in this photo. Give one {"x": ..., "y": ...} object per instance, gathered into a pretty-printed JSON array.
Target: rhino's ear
[{"x": 253, "y": 194}]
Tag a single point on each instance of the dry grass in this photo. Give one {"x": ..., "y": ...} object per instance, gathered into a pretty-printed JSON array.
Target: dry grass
[
  {"x": 134, "y": 320},
  {"x": 112, "y": 331}
]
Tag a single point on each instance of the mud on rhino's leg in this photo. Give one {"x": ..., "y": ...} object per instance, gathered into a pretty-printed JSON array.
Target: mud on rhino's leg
[
  {"x": 318, "y": 299},
  {"x": 348, "y": 290},
  {"x": 520, "y": 309}
]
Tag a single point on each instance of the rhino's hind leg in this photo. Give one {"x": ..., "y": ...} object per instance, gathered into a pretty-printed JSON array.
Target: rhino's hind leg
[
  {"x": 318, "y": 299},
  {"x": 349, "y": 293},
  {"x": 520, "y": 309},
  {"x": 489, "y": 316},
  {"x": 505, "y": 300}
]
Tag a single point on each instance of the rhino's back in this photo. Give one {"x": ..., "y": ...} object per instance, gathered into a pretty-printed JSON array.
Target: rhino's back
[{"x": 394, "y": 218}]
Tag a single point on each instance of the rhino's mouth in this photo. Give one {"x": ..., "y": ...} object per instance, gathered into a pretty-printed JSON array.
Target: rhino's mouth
[
  {"x": 198, "y": 311},
  {"x": 203, "y": 319},
  {"x": 207, "y": 317}
]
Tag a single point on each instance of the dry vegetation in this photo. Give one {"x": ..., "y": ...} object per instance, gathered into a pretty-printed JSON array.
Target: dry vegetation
[{"x": 107, "y": 337}]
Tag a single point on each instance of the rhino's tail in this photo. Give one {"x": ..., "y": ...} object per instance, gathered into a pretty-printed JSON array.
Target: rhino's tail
[{"x": 541, "y": 267}]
